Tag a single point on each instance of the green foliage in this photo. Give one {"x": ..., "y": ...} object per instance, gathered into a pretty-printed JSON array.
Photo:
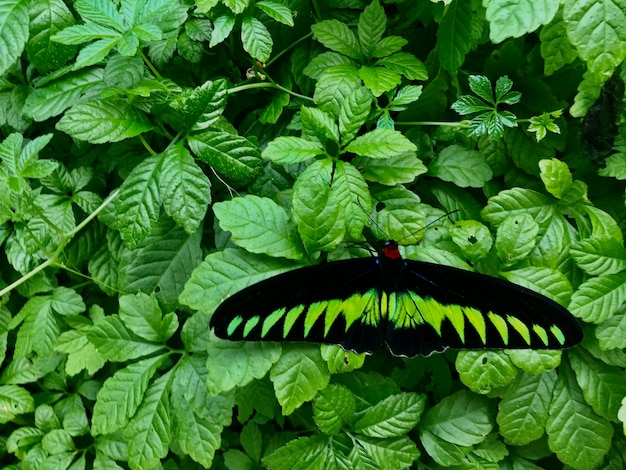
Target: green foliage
[{"x": 157, "y": 156}]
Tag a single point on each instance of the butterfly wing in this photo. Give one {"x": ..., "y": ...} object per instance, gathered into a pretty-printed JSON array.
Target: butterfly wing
[
  {"x": 441, "y": 307},
  {"x": 336, "y": 303}
]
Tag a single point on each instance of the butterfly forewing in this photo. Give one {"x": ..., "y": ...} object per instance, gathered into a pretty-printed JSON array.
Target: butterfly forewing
[{"x": 413, "y": 307}]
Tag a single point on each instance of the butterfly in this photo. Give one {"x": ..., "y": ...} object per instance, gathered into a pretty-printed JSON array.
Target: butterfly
[{"x": 411, "y": 306}]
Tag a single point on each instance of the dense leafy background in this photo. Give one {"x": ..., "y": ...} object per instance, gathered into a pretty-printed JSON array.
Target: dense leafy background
[{"x": 158, "y": 155}]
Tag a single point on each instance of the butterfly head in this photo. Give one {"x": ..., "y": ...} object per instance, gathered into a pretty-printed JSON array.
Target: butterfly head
[{"x": 390, "y": 250}]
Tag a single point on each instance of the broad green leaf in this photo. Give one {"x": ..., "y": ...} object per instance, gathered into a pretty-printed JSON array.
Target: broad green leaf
[
  {"x": 400, "y": 169},
  {"x": 379, "y": 79},
  {"x": 116, "y": 343},
  {"x": 297, "y": 376},
  {"x": 518, "y": 201},
  {"x": 388, "y": 45},
  {"x": 101, "y": 12},
  {"x": 46, "y": 18},
  {"x": 81, "y": 353},
  {"x": 400, "y": 217},
  {"x": 276, "y": 10},
  {"x": 237, "y": 6},
  {"x": 317, "y": 208},
  {"x": 256, "y": 39},
  {"x": 14, "y": 401},
  {"x": 233, "y": 364},
  {"x": 319, "y": 64},
  {"x": 455, "y": 35},
  {"x": 289, "y": 149},
  {"x": 222, "y": 27},
  {"x": 231, "y": 155},
  {"x": 333, "y": 409},
  {"x": 335, "y": 85},
  {"x": 336, "y": 36},
  {"x": 483, "y": 371},
  {"x": 602, "y": 224},
  {"x": 260, "y": 226},
  {"x": 597, "y": 31},
  {"x": 555, "y": 46},
  {"x": 514, "y": 19},
  {"x": 101, "y": 122},
  {"x": 138, "y": 203},
  {"x": 535, "y": 361},
  {"x": 185, "y": 190},
  {"x": 40, "y": 329},
  {"x": 556, "y": 177},
  {"x": 22, "y": 370},
  {"x": 252, "y": 441},
  {"x": 579, "y": 437},
  {"x": 121, "y": 395},
  {"x": 161, "y": 263},
  {"x": 66, "y": 301},
  {"x": 523, "y": 410},
  {"x": 311, "y": 452},
  {"x": 549, "y": 282},
  {"x": 405, "y": 64},
  {"x": 598, "y": 298},
  {"x": 381, "y": 143},
  {"x": 516, "y": 238},
  {"x": 392, "y": 453},
  {"x": 393, "y": 417},
  {"x": 57, "y": 441},
  {"x": 462, "y": 418},
  {"x": 149, "y": 431},
  {"x": 13, "y": 31},
  {"x": 340, "y": 360},
  {"x": 204, "y": 105},
  {"x": 443, "y": 452},
  {"x": 611, "y": 333},
  {"x": 318, "y": 125},
  {"x": 473, "y": 238},
  {"x": 103, "y": 265},
  {"x": 603, "y": 386},
  {"x": 463, "y": 167},
  {"x": 371, "y": 27},
  {"x": 350, "y": 187},
  {"x": 223, "y": 273},
  {"x": 599, "y": 255},
  {"x": 142, "y": 315}
]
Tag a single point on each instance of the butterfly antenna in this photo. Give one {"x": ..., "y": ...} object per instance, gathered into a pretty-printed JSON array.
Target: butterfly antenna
[{"x": 371, "y": 219}]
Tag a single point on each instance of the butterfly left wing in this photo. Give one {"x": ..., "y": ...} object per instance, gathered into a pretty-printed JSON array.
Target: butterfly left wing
[
  {"x": 441, "y": 307},
  {"x": 336, "y": 303}
]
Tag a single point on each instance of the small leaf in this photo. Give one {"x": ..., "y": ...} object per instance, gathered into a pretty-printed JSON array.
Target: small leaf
[
  {"x": 405, "y": 64},
  {"x": 483, "y": 371},
  {"x": 381, "y": 143},
  {"x": 14, "y": 401},
  {"x": 555, "y": 176},
  {"x": 334, "y": 408},
  {"x": 372, "y": 25},
  {"x": 117, "y": 343},
  {"x": 463, "y": 167},
  {"x": 599, "y": 255},
  {"x": 13, "y": 31},
  {"x": 516, "y": 238},
  {"x": 393, "y": 417},
  {"x": 289, "y": 149},
  {"x": 336, "y": 36},
  {"x": 599, "y": 298},
  {"x": 276, "y": 10},
  {"x": 256, "y": 39}
]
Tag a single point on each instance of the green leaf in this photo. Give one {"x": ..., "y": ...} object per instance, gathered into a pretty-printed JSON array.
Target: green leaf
[
  {"x": 340, "y": 360},
  {"x": 335, "y": 84},
  {"x": 297, "y": 376},
  {"x": 388, "y": 45},
  {"x": 57, "y": 441},
  {"x": 393, "y": 453},
  {"x": 483, "y": 371},
  {"x": 40, "y": 329},
  {"x": 603, "y": 386},
  {"x": 401, "y": 169},
  {"x": 14, "y": 401},
  {"x": 353, "y": 113},
  {"x": 523, "y": 410},
  {"x": 546, "y": 281},
  {"x": 462, "y": 418},
  {"x": 378, "y": 79},
  {"x": 473, "y": 238},
  {"x": 455, "y": 36},
  {"x": 443, "y": 452},
  {"x": 256, "y": 39},
  {"x": 516, "y": 238},
  {"x": 101, "y": 12},
  {"x": 142, "y": 315},
  {"x": 276, "y": 10},
  {"x": 463, "y": 167},
  {"x": 401, "y": 218},
  {"x": 317, "y": 208},
  {"x": 555, "y": 176},
  {"x": 122, "y": 393},
  {"x": 599, "y": 255},
  {"x": 371, "y": 27},
  {"x": 253, "y": 361},
  {"x": 556, "y": 46},
  {"x": 81, "y": 354},
  {"x": 260, "y": 226},
  {"x": 579, "y": 437},
  {"x": 115, "y": 342},
  {"x": 289, "y": 149},
  {"x": 393, "y": 417},
  {"x": 231, "y": 155},
  {"x": 138, "y": 203},
  {"x": 597, "y": 33},
  {"x": 381, "y": 143},
  {"x": 318, "y": 125},
  {"x": 405, "y": 64},
  {"x": 204, "y": 105},
  {"x": 611, "y": 333},
  {"x": 149, "y": 431},
  {"x": 535, "y": 361},
  {"x": 225, "y": 272},
  {"x": 518, "y": 201},
  {"x": 336, "y": 36},
  {"x": 512, "y": 20},
  {"x": 222, "y": 27},
  {"x": 305, "y": 452},
  {"x": 333, "y": 409},
  {"x": 66, "y": 301},
  {"x": 599, "y": 298},
  {"x": 13, "y": 31},
  {"x": 101, "y": 122},
  {"x": 350, "y": 187}
]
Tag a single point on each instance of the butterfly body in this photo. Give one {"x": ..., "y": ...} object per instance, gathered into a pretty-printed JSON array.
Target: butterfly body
[{"x": 413, "y": 307}]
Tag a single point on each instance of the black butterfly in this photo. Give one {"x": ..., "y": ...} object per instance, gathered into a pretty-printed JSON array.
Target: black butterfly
[{"x": 413, "y": 307}]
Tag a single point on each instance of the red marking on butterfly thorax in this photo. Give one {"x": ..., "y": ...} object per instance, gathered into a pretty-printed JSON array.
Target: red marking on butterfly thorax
[{"x": 390, "y": 250}]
